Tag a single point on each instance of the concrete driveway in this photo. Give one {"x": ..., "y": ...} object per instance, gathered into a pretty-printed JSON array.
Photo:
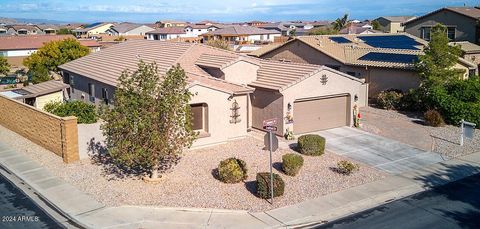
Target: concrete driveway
[{"x": 382, "y": 153}]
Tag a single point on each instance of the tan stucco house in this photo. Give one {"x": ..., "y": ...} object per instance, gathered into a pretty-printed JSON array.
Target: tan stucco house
[
  {"x": 393, "y": 24},
  {"x": 233, "y": 93},
  {"x": 384, "y": 61}
]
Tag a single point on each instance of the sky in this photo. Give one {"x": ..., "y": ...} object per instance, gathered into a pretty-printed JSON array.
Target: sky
[{"x": 223, "y": 11}]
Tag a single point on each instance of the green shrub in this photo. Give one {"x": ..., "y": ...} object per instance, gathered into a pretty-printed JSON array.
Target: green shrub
[
  {"x": 84, "y": 112},
  {"x": 291, "y": 163},
  {"x": 413, "y": 100},
  {"x": 263, "y": 185},
  {"x": 346, "y": 167},
  {"x": 389, "y": 99},
  {"x": 311, "y": 144},
  {"x": 433, "y": 118},
  {"x": 232, "y": 170}
]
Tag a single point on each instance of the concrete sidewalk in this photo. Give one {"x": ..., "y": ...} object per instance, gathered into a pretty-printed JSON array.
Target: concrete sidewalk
[{"x": 87, "y": 212}]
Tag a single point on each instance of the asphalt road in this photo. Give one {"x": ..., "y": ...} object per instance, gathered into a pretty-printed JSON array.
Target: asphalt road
[{"x": 455, "y": 205}]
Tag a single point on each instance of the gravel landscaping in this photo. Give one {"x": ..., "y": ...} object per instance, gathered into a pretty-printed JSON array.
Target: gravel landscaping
[
  {"x": 191, "y": 182},
  {"x": 409, "y": 128}
]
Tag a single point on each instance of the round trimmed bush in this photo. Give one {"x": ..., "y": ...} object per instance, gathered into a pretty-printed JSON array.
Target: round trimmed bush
[
  {"x": 389, "y": 99},
  {"x": 291, "y": 163},
  {"x": 311, "y": 144},
  {"x": 433, "y": 118},
  {"x": 232, "y": 170},
  {"x": 263, "y": 185},
  {"x": 346, "y": 167}
]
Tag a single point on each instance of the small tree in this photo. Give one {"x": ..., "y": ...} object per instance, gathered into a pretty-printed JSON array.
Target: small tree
[
  {"x": 340, "y": 23},
  {"x": 4, "y": 66},
  {"x": 52, "y": 55},
  {"x": 436, "y": 66},
  {"x": 323, "y": 31},
  {"x": 376, "y": 25},
  {"x": 65, "y": 31},
  {"x": 221, "y": 44},
  {"x": 151, "y": 121}
]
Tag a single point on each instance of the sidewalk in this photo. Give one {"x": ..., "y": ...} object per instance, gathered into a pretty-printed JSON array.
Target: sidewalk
[{"x": 89, "y": 213}]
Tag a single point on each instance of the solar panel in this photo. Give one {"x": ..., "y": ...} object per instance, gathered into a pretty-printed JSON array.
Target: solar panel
[
  {"x": 390, "y": 57},
  {"x": 93, "y": 25},
  {"x": 340, "y": 40},
  {"x": 393, "y": 42}
]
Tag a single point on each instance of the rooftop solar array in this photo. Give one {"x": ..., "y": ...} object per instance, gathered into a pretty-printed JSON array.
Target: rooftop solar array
[
  {"x": 392, "y": 42},
  {"x": 390, "y": 57},
  {"x": 340, "y": 40},
  {"x": 93, "y": 25}
]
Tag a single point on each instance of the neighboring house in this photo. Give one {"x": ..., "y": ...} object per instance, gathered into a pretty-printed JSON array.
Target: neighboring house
[
  {"x": 170, "y": 23},
  {"x": 39, "y": 94},
  {"x": 3, "y": 30},
  {"x": 461, "y": 22},
  {"x": 354, "y": 29},
  {"x": 232, "y": 93},
  {"x": 48, "y": 29},
  {"x": 93, "y": 29},
  {"x": 242, "y": 34},
  {"x": 470, "y": 51},
  {"x": 196, "y": 30},
  {"x": 167, "y": 33},
  {"x": 16, "y": 48},
  {"x": 24, "y": 30},
  {"x": 301, "y": 28},
  {"x": 385, "y": 61},
  {"x": 393, "y": 24},
  {"x": 129, "y": 29}
]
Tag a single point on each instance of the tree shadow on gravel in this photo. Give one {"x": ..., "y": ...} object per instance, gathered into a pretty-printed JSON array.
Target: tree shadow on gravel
[
  {"x": 278, "y": 166},
  {"x": 215, "y": 174},
  {"x": 251, "y": 186},
  {"x": 294, "y": 147},
  {"x": 113, "y": 171}
]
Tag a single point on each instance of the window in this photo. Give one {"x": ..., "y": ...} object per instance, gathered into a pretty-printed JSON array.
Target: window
[
  {"x": 200, "y": 117},
  {"x": 105, "y": 96},
  {"x": 91, "y": 92},
  {"x": 71, "y": 82},
  {"x": 425, "y": 33},
  {"x": 451, "y": 33}
]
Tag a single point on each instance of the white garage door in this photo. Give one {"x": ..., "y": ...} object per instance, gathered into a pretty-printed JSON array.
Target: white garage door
[{"x": 320, "y": 114}]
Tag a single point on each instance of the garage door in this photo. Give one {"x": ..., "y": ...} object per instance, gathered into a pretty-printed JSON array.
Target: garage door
[{"x": 320, "y": 114}]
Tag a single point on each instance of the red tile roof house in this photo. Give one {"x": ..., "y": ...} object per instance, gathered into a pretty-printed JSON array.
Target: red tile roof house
[
  {"x": 233, "y": 92},
  {"x": 16, "y": 48}
]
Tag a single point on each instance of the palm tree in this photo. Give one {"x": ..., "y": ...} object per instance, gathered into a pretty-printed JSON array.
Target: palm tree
[{"x": 340, "y": 23}]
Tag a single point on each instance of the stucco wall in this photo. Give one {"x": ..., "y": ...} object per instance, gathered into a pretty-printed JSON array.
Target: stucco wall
[
  {"x": 219, "y": 127},
  {"x": 241, "y": 72},
  {"x": 80, "y": 89},
  {"x": 40, "y": 101},
  {"x": 267, "y": 105},
  {"x": 465, "y": 26},
  {"x": 54, "y": 133},
  {"x": 382, "y": 79},
  {"x": 312, "y": 87}
]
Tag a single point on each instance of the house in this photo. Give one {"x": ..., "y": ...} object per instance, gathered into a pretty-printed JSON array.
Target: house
[
  {"x": 166, "y": 33},
  {"x": 300, "y": 27},
  {"x": 16, "y": 48},
  {"x": 39, "y": 94},
  {"x": 93, "y": 29},
  {"x": 3, "y": 30},
  {"x": 393, "y": 24},
  {"x": 232, "y": 92},
  {"x": 242, "y": 34},
  {"x": 354, "y": 29},
  {"x": 128, "y": 29},
  {"x": 461, "y": 23},
  {"x": 48, "y": 29},
  {"x": 23, "y": 30},
  {"x": 170, "y": 23},
  {"x": 385, "y": 61},
  {"x": 196, "y": 30},
  {"x": 190, "y": 32},
  {"x": 470, "y": 51}
]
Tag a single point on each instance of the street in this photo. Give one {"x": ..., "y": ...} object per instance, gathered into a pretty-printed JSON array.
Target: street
[{"x": 455, "y": 205}]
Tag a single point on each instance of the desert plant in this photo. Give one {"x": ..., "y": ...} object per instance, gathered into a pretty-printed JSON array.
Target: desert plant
[
  {"x": 263, "y": 185},
  {"x": 232, "y": 170},
  {"x": 291, "y": 163},
  {"x": 84, "y": 112},
  {"x": 346, "y": 167},
  {"x": 389, "y": 99},
  {"x": 311, "y": 144},
  {"x": 433, "y": 118}
]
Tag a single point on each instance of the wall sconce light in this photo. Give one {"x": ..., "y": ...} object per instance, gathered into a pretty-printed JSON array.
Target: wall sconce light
[
  {"x": 230, "y": 97},
  {"x": 355, "y": 98},
  {"x": 289, "y": 106}
]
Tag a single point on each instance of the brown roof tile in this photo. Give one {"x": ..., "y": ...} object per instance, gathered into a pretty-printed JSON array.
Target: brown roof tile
[{"x": 35, "y": 41}]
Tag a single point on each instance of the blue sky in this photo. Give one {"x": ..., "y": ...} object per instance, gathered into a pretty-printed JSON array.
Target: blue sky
[{"x": 225, "y": 10}]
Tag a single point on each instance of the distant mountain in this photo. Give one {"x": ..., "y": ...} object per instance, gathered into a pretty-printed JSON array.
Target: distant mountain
[{"x": 4, "y": 20}]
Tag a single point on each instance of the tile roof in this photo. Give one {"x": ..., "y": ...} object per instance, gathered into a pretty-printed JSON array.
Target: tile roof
[
  {"x": 93, "y": 26},
  {"x": 125, "y": 27},
  {"x": 41, "y": 89},
  {"x": 472, "y": 12},
  {"x": 107, "y": 65},
  {"x": 398, "y": 18},
  {"x": 168, "y": 30},
  {"x": 467, "y": 47},
  {"x": 236, "y": 30},
  {"x": 23, "y": 27},
  {"x": 35, "y": 41},
  {"x": 349, "y": 52}
]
